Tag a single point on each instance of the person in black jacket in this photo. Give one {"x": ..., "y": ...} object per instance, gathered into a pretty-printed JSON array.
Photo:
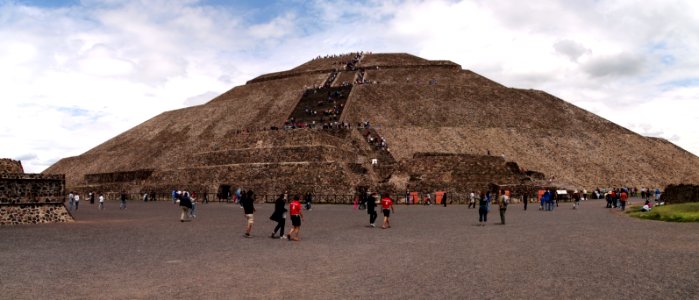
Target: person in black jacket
[
  {"x": 279, "y": 215},
  {"x": 248, "y": 203},
  {"x": 185, "y": 205},
  {"x": 371, "y": 209}
]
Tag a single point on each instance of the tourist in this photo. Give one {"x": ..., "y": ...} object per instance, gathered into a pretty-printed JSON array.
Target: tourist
[
  {"x": 193, "y": 209},
  {"x": 387, "y": 206},
  {"x": 444, "y": 199},
  {"x": 122, "y": 205},
  {"x": 77, "y": 200},
  {"x": 472, "y": 200},
  {"x": 502, "y": 203},
  {"x": 309, "y": 199},
  {"x": 483, "y": 208},
  {"x": 657, "y": 195},
  {"x": 623, "y": 196},
  {"x": 91, "y": 196},
  {"x": 545, "y": 201},
  {"x": 247, "y": 201},
  {"x": 428, "y": 199},
  {"x": 576, "y": 198},
  {"x": 174, "y": 196},
  {"x": 371, "y": 209},
  {"x": 647, "y": 206},
  {"x": 101, "y": 200},
  {"x": 525, "y": 199},
  {"x": 71, "y": 198},
  {"x": 145, "y": 197},
  {"x": 279, "y": 216},
  {"x": 296, "y": 218},
  {"x": 185, "y": 206}
]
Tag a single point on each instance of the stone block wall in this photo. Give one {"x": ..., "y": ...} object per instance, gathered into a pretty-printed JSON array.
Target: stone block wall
[
  {"x": 10, "y": 166},
  {"x": 37, "y": 213},
  {"x": 273, "y": 155},
  {"x": 457, "y": 172},
  {"x": 118, "y": 176},
  {"x": 31, "y": 188},
  {"x": 681, "y": 193}
]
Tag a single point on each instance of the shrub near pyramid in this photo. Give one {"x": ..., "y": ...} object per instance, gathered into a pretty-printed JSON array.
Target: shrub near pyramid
[{"x": 320, "y": 126}]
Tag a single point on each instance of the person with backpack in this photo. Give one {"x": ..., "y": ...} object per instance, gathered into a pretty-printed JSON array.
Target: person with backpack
[
  {"x": 502, "y": 203},
  {"x": 483, "y": 208}
]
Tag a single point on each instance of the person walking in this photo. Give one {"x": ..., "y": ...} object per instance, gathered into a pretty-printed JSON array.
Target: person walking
[
  {"x": 122, "y": 205},
  {"x": 387, "y": 206},
  {"x": 91, "y": 196},
  {"x": 444, "y": 199},
  {"x": 279, "y": 216},
  {"x": 247, "y": 201},
  {"x": 185, "y": 205},
  {"x": 77, "y": 200},
  {"x": 576, "y": 198},
  {"x": 71, "y": 198},
  {"x": 483, "y": 208},
  {"x": 101, "y": 199},
  {"x": 371, "y": 209},
  {"x": 502, "y": 203},
  {"x": 472, "y": 200},
  {"x": 296, "y": 218}
]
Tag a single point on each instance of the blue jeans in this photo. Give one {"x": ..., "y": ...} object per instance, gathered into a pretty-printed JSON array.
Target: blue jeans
[{"x": 482, "y": 214}]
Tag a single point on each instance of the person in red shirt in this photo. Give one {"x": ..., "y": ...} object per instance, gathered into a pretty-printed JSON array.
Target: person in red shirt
[
  {"x": 387, "y": 206},
  {"x": 622, "y": 198},
  {"x": 296, "y": 218}
]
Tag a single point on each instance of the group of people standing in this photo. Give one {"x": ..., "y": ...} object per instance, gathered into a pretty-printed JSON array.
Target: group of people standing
[
  {"x": 74, "y": 200},
  {"x": 484, "y": 200}
]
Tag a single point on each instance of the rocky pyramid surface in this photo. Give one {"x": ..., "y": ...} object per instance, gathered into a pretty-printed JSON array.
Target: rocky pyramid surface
[{"x": 443, "y": 127}]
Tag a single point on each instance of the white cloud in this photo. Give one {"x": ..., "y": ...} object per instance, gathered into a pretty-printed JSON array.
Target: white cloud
[{"x": 96, "y": 69}]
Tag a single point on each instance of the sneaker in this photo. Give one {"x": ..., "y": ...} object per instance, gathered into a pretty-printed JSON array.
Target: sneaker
[
  {"x": 295, "y": 239},
  {"x": 247, "y": 235},
  {"x": 372, "y": 225},
  {"x": 273, "y": 236},
  {"x": 283, "y": 237}
]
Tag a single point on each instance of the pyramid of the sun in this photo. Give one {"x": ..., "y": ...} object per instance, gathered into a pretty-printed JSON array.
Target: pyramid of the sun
[{"x": 444, "y": 128}]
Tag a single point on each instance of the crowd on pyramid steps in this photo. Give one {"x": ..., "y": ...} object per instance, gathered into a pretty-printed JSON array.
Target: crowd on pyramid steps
[
  {"x": 350, "y": 64},
  {"x": 374, "y": 139}
]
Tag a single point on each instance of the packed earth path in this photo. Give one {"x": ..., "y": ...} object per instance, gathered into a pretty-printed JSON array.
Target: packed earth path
[{"x": 145, "y": 252}]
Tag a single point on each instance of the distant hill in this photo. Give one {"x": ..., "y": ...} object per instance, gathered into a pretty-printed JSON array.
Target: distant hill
[{"x": 444, "y": 128}]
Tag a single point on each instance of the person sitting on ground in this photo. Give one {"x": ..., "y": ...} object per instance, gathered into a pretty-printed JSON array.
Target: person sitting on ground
[{"x": 646, "y": 207}]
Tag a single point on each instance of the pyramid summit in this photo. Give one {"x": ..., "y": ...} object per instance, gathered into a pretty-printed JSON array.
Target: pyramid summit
[{"x": 389, "y": 121}]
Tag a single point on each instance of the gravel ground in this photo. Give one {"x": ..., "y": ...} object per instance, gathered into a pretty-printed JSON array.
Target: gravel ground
[{"x": 431, "y": 252}]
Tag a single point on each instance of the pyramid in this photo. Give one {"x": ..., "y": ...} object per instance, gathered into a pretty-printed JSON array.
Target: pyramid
[{"x": 390, "y": 121}]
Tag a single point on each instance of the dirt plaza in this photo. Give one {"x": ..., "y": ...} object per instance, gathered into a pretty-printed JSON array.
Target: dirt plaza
[{"x": 145, "y": 252}]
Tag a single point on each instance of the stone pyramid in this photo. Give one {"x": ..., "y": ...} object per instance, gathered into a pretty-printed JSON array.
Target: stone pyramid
[{"x": 393, "y": 122}]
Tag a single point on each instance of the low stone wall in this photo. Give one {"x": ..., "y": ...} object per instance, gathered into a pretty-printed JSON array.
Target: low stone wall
[
  {"x": 681, "y": 193},
  {"x": 30, "y": 188},
  {"x": 34, "y": 213},
  {"x": 10, "y": 166}
]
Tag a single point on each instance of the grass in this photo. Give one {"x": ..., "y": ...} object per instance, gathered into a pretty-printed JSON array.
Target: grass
[{"x": 684, "y": 212}]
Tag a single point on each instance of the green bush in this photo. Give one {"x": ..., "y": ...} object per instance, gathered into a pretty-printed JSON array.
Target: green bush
[{"x": 684, "y": 212}]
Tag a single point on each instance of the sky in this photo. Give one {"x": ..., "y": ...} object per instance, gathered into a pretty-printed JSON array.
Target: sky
[{"x": 74, "y": 74}]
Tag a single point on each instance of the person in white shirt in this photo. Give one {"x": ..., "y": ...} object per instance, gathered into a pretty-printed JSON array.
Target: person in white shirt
[
  {"x": 77, "y": 200},
  {"x": 101, "y": 206}
]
